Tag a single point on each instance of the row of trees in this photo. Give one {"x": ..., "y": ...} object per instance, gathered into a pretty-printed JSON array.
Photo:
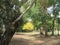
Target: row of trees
[{"x": 44, "y": 17}]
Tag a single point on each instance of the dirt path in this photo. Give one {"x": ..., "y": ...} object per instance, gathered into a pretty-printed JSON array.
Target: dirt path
[{"x": 26, "y": 39}]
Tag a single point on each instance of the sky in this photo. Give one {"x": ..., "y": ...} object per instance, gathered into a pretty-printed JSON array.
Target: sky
[{"x": 50, "y": 10}]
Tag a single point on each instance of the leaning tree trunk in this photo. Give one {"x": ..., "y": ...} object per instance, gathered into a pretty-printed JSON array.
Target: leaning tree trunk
[{"x": 10, "y": 30}]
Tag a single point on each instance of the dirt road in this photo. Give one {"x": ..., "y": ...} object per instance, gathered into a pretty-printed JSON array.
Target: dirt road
[{"x": 26, "y": 39}]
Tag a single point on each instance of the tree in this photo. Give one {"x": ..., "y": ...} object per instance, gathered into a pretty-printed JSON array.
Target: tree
[
  {"x": 9, "y": 16},
  {"x": 44, "y": 4}
]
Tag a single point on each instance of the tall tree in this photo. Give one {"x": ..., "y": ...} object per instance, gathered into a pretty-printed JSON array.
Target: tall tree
[{"x": 9, "y": 17}]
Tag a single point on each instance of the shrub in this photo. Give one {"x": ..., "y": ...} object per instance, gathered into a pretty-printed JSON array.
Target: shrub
[{"x": 28, "y": 26}]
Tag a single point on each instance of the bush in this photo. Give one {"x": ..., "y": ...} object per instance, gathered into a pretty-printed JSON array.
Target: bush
[{"x": 28, "y": 26}]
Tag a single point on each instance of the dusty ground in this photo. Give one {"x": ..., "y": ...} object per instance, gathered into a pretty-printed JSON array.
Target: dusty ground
[{"x": 28, "y": 39}]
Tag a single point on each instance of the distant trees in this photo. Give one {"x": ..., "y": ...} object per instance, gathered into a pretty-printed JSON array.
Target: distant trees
[{"x": 41, "y": 18}]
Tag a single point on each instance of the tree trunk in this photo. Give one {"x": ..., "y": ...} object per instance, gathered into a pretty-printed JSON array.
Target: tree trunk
[
  {"x": 46, "y": 30},
  {"x": 53, "y": 27},
  {"x": 5, "y": 39},
  {"x": 41, "y": 31},
  {"x": 58, "y": 29},
  {"x": 46, "y": 34}
]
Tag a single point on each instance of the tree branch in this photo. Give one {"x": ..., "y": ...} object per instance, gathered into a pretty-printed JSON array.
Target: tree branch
[{"x": 24, "y": 12}]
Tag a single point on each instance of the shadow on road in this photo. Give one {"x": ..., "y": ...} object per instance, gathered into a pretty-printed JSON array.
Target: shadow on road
[{"x": 33, "y": 40}]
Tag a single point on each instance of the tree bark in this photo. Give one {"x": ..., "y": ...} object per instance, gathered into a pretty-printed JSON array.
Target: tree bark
[{"x": 10, "y": 30}]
